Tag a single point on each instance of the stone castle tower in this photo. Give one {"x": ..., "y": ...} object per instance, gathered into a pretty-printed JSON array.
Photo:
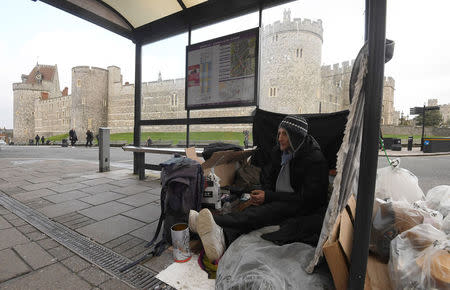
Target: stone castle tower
[
  {"x": 292, "y": 81},
  {"x": 290, "y": 65}
]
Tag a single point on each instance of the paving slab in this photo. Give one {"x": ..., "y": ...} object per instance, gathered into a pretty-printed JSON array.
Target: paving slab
[
  {"x": 36, "y": 186},
  {"x": 111, "y": 228},
  {"x": 11, "y": 237},
  {"x": 105, "y": 210},
  {"x": 68, "y": 187},
  {"x": 54, "y": 276},
  {"x": 62, "y": 197},
  {"x": 11, "y": 265},
  {"x": 37, "y": 203},
  {"x": 34, "y": 255},
  {"x": 96, "y": 181},
  {"x": 60, "y": 253},
  {"x": 17, "y": 222},
  {"x": 139, "y": 199},
  {"x": 4, "y": 224},
  {"x": 133, "y": 189},
  {"x": 35, "y": 236},
  {"x": 48, "y": 243},
  {"x": 29, "y": 195},
  {"x": 42, "y": 179},
  {"x": 94, "y": 275},
  {"x": 68, "y": 180},
  {"x": 102, "y": 197},
  {"x": 63, "y": 208},
  {"x": 147, "y": 232},
  {"x": 76, "y": 264},
  {"x": 100, "y": 188},
  {"x": 147, "y": 213}
]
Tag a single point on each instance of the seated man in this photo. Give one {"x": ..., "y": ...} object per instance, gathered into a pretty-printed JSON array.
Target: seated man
[{"x": 294, "y": 184}]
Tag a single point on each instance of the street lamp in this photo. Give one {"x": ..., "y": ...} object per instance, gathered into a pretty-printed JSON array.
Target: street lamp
[{"x": 421, "y": 110}]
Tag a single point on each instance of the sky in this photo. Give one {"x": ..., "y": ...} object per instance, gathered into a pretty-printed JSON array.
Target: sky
[{"x": 34, "y": 32}]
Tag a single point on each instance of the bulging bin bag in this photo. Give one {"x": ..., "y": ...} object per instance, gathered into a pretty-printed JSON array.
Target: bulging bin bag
[
  {"x": 420, "y": 259},
  {"x": 397, "y": 184},
  {"x": 438, "y": 198}
]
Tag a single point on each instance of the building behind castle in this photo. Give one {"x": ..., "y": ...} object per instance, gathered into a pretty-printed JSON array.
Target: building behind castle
[{"x": 292, "y": 81}]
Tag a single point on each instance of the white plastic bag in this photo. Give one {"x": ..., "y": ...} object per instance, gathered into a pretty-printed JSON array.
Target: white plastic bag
[
  {"x": 394, "y": 217},
  {"x": 397, "y": 184},
  {"x": 446, "y": 225},
  {"x": 438, "y": 198},
  {"x": 420, "y": 259}
]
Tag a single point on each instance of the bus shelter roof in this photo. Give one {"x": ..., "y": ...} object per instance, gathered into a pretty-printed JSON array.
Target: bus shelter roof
[{"x": 147, "y": 21}]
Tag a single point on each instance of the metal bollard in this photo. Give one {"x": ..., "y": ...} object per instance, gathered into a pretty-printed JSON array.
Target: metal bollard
[{"x": 103, "y": 149}]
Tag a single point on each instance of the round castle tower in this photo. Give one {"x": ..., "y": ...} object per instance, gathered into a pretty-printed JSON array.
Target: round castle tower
[
  {"x": 291, "y": 61},
  {"x": 89, "y": 99}
]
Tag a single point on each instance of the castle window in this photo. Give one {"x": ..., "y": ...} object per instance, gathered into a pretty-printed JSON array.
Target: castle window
[
  {"x": 335, "y": 99},
  {"x": 273, "y": 92},
  {"x": 276, "y": 37},
  {"x": 174, "y": 100},
  {"x": 78, "y": 83},
  {"x": 83, "y": 100},
  {"x": 299, "y": 52},
  {"x": 331, "y": 98},
  {"x": 104, "y": 103}
]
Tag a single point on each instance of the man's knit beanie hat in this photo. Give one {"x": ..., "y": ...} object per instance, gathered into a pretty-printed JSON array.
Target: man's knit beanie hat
[{"x": 296, "y": 128}]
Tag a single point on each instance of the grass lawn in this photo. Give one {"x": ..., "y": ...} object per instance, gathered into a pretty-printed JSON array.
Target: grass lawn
[
  {"x": 405, "y": 137},
  {"x": 175, "y": 137}
]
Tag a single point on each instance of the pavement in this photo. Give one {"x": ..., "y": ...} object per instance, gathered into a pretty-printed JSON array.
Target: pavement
[{"x": 113, "y": 209}]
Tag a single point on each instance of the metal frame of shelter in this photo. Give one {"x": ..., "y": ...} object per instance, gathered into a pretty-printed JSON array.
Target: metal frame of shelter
[{"x": 213, "y": 11}]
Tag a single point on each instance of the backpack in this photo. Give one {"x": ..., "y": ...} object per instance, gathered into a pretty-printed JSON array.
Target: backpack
[{"x": 182, "y": 186}]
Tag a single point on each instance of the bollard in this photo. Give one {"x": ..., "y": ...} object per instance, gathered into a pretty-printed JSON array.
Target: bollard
[
  {"x": 103, "y": 149},
  {"x": 180, "y": 242}
]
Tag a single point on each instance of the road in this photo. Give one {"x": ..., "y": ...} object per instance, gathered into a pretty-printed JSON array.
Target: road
[{"x": 430, "y": 170}]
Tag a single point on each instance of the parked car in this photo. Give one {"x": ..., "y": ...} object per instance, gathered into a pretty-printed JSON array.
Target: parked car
[{"x": 2, "y": 142}]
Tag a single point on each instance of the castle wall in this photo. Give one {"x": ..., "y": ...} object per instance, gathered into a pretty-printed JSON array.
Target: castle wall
[
  {"x": 335, "y": 81},
  {"x": 53, "y": 116},
  {"x": 89, "y": 99}
]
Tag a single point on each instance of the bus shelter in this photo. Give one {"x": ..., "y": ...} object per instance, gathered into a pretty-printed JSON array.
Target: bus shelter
[{"x": 144, "y": 22}]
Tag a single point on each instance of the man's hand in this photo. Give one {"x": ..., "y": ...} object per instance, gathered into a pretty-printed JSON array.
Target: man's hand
[{"x": 257, "y": 197}]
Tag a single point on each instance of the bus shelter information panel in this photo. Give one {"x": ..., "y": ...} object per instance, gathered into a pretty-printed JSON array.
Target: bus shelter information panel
[{"x": 222, "y": 72}]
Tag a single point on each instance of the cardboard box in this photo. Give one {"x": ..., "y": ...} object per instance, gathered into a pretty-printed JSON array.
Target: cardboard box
[
  {"x": 223, "y": 162},
  {"x": 338, "y": 249}
]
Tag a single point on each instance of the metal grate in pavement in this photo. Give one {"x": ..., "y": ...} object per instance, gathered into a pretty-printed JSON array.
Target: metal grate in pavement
[{"x": 106, "y": 259}]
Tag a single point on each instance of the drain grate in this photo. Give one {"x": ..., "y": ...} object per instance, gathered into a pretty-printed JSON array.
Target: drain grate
[{"x": 106, "y": 259}]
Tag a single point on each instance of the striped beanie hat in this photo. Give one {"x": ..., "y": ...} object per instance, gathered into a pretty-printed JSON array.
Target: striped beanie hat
[{"x": 296, "y": 128}]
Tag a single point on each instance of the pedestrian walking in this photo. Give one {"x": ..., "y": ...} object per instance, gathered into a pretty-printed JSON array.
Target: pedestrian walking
[
  {"x": 89, "y": 138},
  {"x": 73, "y": 137},
  {"x": 37, "y": 138},
  {"x": 149, "y": 141},
  {"x": 42, "y": 140}
]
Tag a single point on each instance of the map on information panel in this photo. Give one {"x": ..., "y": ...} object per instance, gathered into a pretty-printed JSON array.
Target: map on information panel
[{"x": 222, "y": 72}]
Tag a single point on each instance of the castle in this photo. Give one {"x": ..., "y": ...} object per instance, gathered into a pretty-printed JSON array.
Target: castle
[{"x": 292, "y": 80}]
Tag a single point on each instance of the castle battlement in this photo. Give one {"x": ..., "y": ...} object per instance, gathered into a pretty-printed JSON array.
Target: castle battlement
[
  {"x": 294, "y": 25},
  {"x": 337, "y": 68},
  {"x": 86, "y": 69},
  {"x": 389, "y": 82}
]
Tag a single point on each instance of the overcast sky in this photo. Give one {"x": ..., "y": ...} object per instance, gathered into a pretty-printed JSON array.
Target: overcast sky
[{"x": 34, "y": 31}]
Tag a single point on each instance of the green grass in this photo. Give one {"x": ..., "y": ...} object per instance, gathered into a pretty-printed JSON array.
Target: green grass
[
  {"x": 175, "y": 137},
  {"x": 405, "y": 137}
]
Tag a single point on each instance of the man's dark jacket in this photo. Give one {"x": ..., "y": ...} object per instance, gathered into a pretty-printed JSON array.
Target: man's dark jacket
[{"x": 309, "y": 178}]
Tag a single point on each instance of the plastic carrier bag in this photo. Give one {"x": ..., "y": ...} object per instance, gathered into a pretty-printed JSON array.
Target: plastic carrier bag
[
  {"x": 394, "y": 217},
  {"x": 438, "y": 198},
  {"x": 420, "y": 259},
  {"x": 397, "y": 184}
]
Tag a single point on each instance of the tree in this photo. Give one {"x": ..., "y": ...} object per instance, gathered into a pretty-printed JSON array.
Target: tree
[{"x": 432, "y": 118}]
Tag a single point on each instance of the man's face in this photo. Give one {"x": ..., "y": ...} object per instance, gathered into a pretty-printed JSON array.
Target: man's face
[{"x": 283, "y": 139}]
